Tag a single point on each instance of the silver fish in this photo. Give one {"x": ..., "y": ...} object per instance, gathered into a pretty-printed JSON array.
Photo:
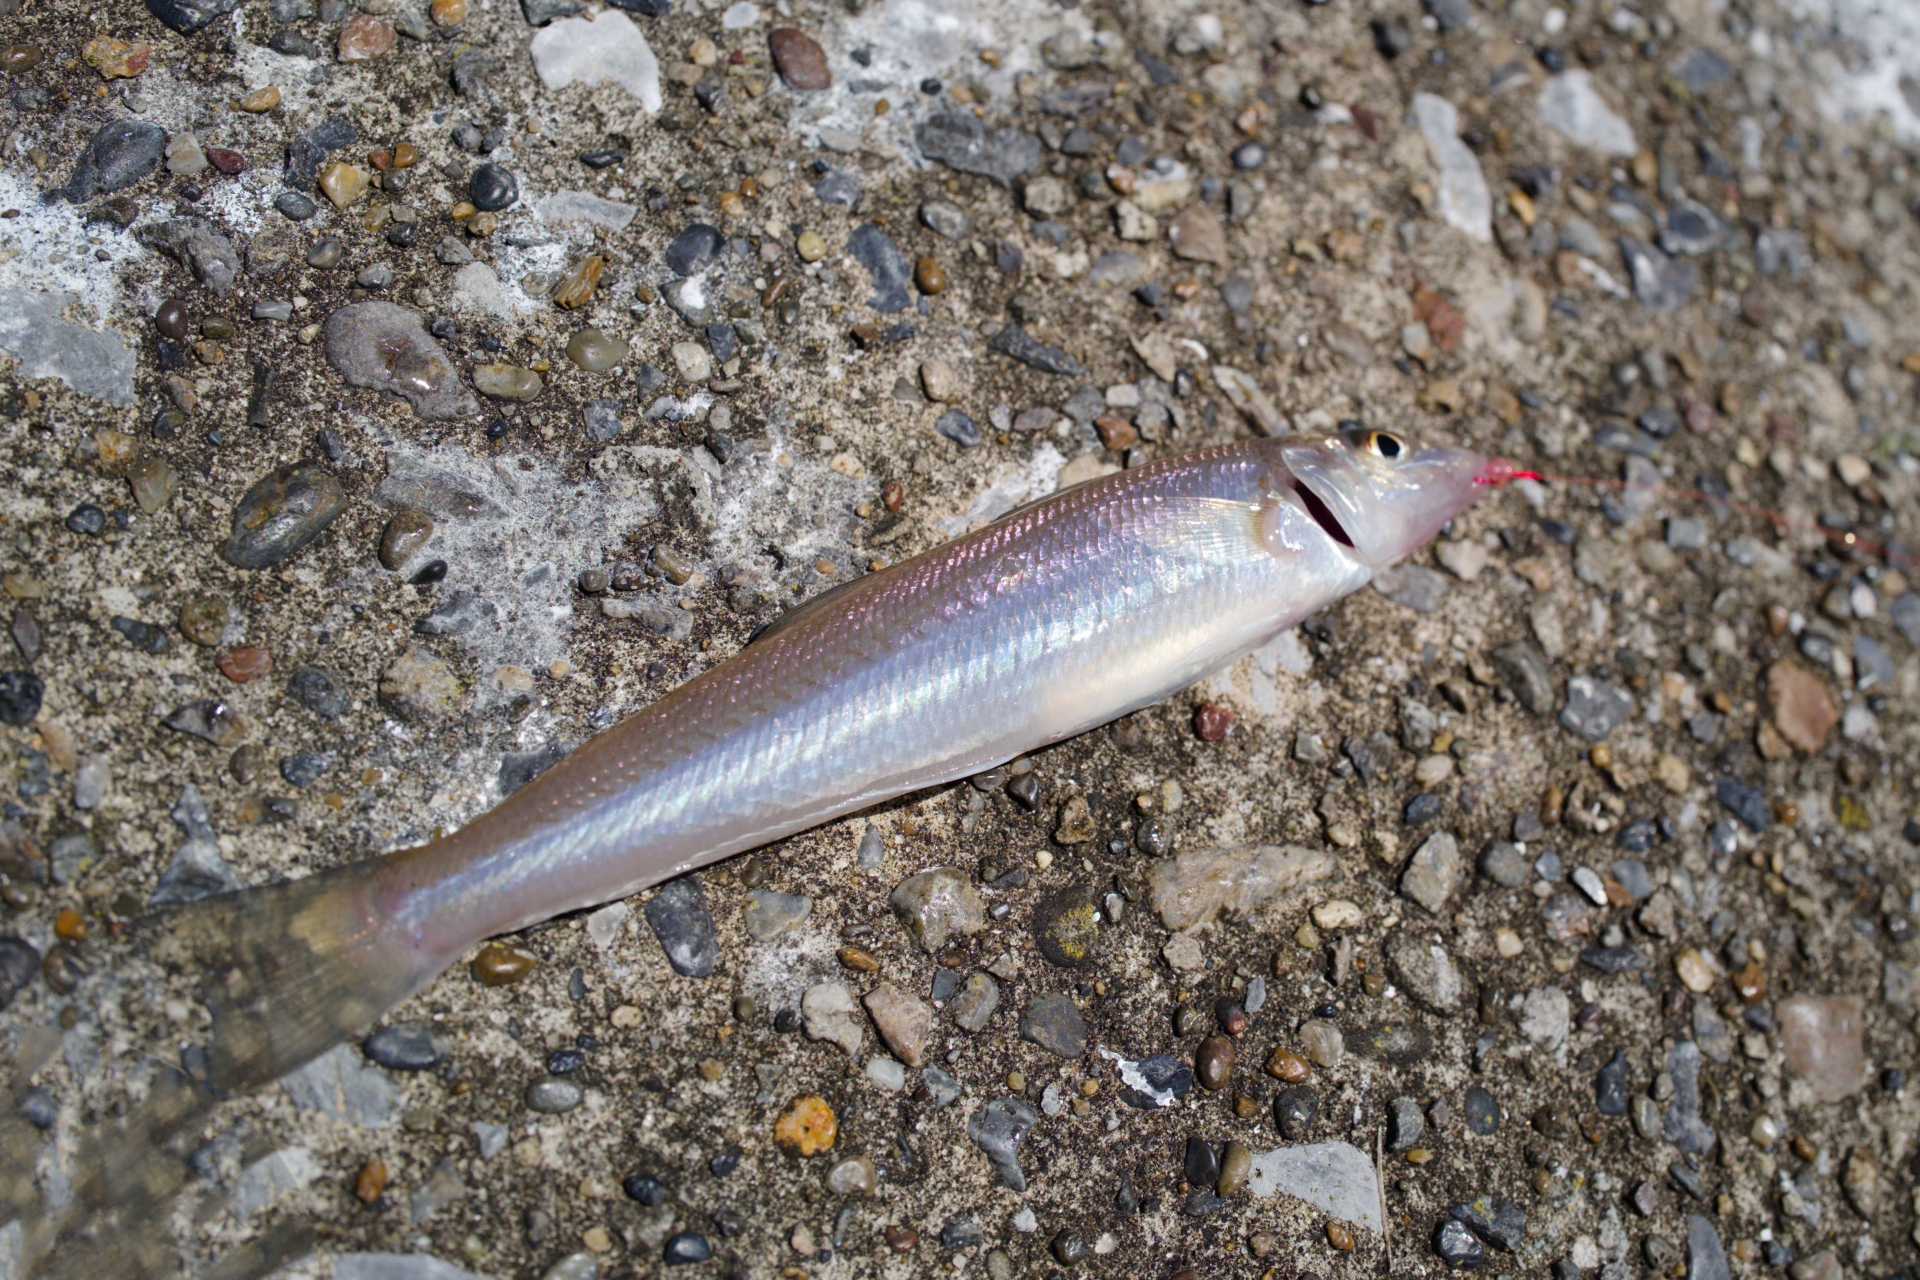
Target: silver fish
[{"x": 1057, "y": 618}]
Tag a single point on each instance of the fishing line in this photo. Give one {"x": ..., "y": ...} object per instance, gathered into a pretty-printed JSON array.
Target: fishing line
[{"x": 1501, "y": 472}]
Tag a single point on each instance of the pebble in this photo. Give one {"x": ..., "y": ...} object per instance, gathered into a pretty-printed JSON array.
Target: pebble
[
  {"x": 1053, "y": 1022},
  {"x": 405, "y": 1046},
  {"x": 1435, "y": 872},
  {"x": 807, "y": 1127},
  {"x": 1426, "y": 971},
  {"x": 1802, "y": 707},
  {"x": 799, "y": 59},
  {"x": 679, "y": 917},
  {"x": 492, "y": 188},
  {"x": 854, "y": 1176},
  {"x": 499, "y": 965},
  {"x": 1572, "y": 106},
  {"x": 685, "y": 1248},
  {"x": 1464, "y": 200},
  {"x": 694, "y": 249},
  {"x": 1197, "y": 236},
  {"x": 1458, "y": 1247},
  {"x": 973, "y": 1005},
  {"x": 1015, "y": 342},
  {"x": 886, "y": 267},
  {"x": 606, "y": 47},
  {"x": 120, "y": 153},
  {"x": 1822, "y": 1038},
  {"x": 282, "y": 512},
  {"x": 1213, "y": 1063},
  {"x": 1294, "y": 1110},
  {"x": 1706, "y": 1258},
  {"x": 963, "y": 143},
  {"x": 1323, "y": 1043},
  {"x": 769, "y": 914},
  {"x": 553, "y": 1096},
  {"x": 998, "y": 1129},
  {"x": 946, "y": 219},
  {"x": 904, "y": 1022},
  {"x": 507, "y": 382},
  {"x": 1482, "y": 1112},
  {"x": 364, "y": 38},
  {"x": 343, "y": 183},
  {"x": 938, "y": 905},
  {"x": 829, "y": 1013},
  {"x": 595, "y": 351},
  {"x": 383, "y": 346}
]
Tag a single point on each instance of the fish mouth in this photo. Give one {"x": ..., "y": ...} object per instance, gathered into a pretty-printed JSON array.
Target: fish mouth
[{"x": 1322, "y": 513}]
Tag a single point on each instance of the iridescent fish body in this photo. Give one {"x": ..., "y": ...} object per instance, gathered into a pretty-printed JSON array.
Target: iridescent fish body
[{"x": 1059, "y": 617}]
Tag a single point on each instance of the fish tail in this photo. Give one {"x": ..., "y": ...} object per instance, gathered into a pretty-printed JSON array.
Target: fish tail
[{"x": 289, "y": 970}]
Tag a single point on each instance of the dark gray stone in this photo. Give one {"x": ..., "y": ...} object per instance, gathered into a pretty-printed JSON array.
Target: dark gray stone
[
  {"x": 1406, "y": 1125},
  {"x": 553, "y": 1096},
  {"x": 1482, "y": 1112},
  {"x": 1458, "y": 1247},
  {"x": 492, "y": 187},
  {"x": 539, "y": 13},
  {"x": 18, "y": 963},
  {"x": 946, "y": 219},
  {"x": 304, "y": 768},
  {"x": 320, "y": 691},
  {"x": 1692, "y": 229},
  {"x": 1499, "y": 1222},
  {"x": 1294, "y": 1111},
  {"x": 1505, "y": 864},
  {"x": 1905, "y": 614},
  {"x": 306, "y": 153},
  {"x": 1660, "y": 282},
  {"x": 998, "y": 1129},
  {"x": 1745, "y": 802},
  {"x": 1020, "y": 345},
  {"x": 1157, "y": 1081},
  {"x": 1614, "y": 959},
  {"x": 839, "y": 186},
  {"x": 21, "y": 693},
  {"x": 519, "y": 768},
  {"x": 120, "y": 153},
  {"x": 284, "y": 511},
  {"x": 959, "y": 428},
  {"x": 963, "y": 142},
  {"x": 886, "y": 266},
  {"x": 1523, "y": 669},
  {"x": 295, "y": 205},
  {"x": 680, "y": 919},
  {"x": 1594, "y": 708},
  {"x": 405, "y": 1046},
  {"x": 196, "y": 245},
  {"x": 1052, "y": 1022},
  {"x": 1702, "y": 69},
  {"x": 188, "y": 16},
  {"x": 1610, "y": 1086},
  {"x": 601, "y": 418},
  {"x": 694, "y": 249},
  {"x": 1452, "y": 15},
  {"x": 1706, "y": 1259}
]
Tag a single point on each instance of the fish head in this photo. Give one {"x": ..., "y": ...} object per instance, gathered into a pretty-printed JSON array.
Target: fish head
[{"x": 1381, "y": 493}]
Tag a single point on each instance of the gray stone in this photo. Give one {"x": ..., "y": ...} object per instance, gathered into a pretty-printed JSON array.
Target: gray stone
[
  {"x": 343, "y": 1085},
  {"x": 1706, "y": 1259},
  {"x": 974, "y": 1004},
  {"x": 1020, "y": 345},
  {"x": 405, "y": 1046},
  {"x": 1505, "y": 864},
  {"x": 1523, "y": 669},
  {"x": 197, "y": 245},
  {"x": 1412, "y": 586},
  {"x": 69, "y": 856},
  {"x": 694, "y": 249},
  {"x": 288, "y": 1169},
  {"x": 1464, "y": 200},
  {"x": 937, "y": 905},
  {"x": 829, "y": 1013},
  {"x": 1055, "y": 1024},
  {"x": 770, "y": 914},
  {"x": 1570, "y": 105},
  {"x": 1499, "y": 1222},
  {"x": 962, "y": 142},
  {"x": 946, "y": 218},
  {"x": 1686, "y": 533},
  {"x": 692, "y": 300},
  {"x": 998, "y": 1129},
  {"x": 1434, "y": 872},
  {"x": 320, "y": 691},
  {"x": 656, "y": 615},
  {"x": 93, "y": 362},
  {"x": 1904, "y": 612},
  {"x": 386, "y": 347},
  {"x": 586, "y": 207},
  {"x": 1594, "y": 708},
  {"x": 941, "y": 1086},
  {"x": 442, "y": 1188},
  {"x": 1335, "y": 1177},
  {"x": 282, "y": 512},
  {"x": 553, "y": 1096},
  {"x": 1684, "y": 1126},
  {"x": 1425, "y": 970},
  {"x": 1406, "y": 1125},
  {"x": 839, "y": 186},
  {"x": 1776, "y": 248},
  {"x": 601, "y": 420},
  {"x": 1662, "y": 283},
  {"x": 1872, "y": 664},
  {"x": 1701, "y": 69},
  {"x": 886, "y": 266},
  {"x": 959, "y": 428},
  {"x": 1692, "y": 229},
  {"x": 197, "y": 870},
  {"x": 678, "y": 915},
  {"x": 120, "y": 153}
]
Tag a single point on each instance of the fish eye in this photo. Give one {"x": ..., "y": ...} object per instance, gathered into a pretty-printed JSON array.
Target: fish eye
[{"x": 1385, "y": 444}]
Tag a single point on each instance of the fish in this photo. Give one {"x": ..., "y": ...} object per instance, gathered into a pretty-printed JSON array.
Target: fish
[{"x": 1059, "y": 617}]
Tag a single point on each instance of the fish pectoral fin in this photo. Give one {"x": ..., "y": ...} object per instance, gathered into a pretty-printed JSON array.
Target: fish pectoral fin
[{"x": 1198, "y": 528}]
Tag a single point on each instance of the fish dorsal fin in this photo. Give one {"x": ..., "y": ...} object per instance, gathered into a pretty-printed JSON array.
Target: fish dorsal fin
[{"x": 801, "y": 611}]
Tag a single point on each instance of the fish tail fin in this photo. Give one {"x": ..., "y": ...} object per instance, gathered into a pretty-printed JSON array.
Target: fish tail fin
[{"x": 289, "y": 970}]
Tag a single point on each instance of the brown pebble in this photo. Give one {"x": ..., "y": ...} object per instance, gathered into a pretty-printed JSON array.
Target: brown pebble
[
  {"x": 405, "y": 534},
  {"x": 1213, "y": 1064},
  {"x": 1340, "y": 1236},
  {"x": 364, "y": 38},
  {"x": 1116, "y": 432},
  {"x": 1211, "y": 721},
  {"x": 858, "y": 960},
  {"x": 70, "y": 924},
  {"x": 799, "y": 59},
  {"x": 248, "y": 662},
  {"x": 902, "y": 1239},
  {"x": 1285, "y": 1064},
  {"x": 203, "y": 620},
  {"x": 930, "y": 275},
  {"x": 372, "y": 1181},
  {"x": 577, "y": 289},
  {"x": 244, "y": 763},
  {"x": 448, "y": 13},
  {"x": 1750, "y": 980},
  {"x": 499, "y": 965},
  {"x": 893, "y": 495},
  {"x": 172, "y": 321},
  {"x": 16, "y": 59},
  {"x": 1236, "y": 1163}
]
